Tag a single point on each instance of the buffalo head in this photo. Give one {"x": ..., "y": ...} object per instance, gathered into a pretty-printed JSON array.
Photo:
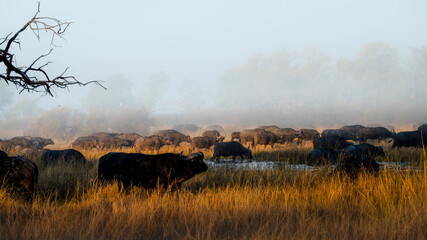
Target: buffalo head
[{"x": 195, "y": 161}]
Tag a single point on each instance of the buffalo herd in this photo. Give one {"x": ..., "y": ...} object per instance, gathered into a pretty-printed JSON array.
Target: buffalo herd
[
  {"x": 25, "y": 142},
  {"x": 169, "y": 170},
  {"x": 262, "y": 135}
]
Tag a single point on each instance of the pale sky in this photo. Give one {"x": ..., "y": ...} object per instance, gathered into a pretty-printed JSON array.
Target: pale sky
[{"x": 193, "y": 44}]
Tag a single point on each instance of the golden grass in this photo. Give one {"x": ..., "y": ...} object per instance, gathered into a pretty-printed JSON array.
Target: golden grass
[
  {"x": 224, "y": 203},
  {"x": 221, "y": 204}
]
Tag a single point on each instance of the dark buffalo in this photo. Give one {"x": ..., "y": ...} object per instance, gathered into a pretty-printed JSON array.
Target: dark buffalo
[
  {"x": 409, "y": 139},
  {"x": 308, "y": 134},
  {"x": 264, "y": 138},
  {"x": 286, "y": 135},
  {"x": 86, "y": 142},
  {"x": 353, "y": 166},
  {"x": 174, "y": 136},
  {"x": 151, "y": 143},
  {"x": 234, "y": 149},
  {"x": 235, "y": 136},
  {"x": 203, "y": 142},
  {"x": 323, "y": 156},
  {"x": 378, "y": 133},
  {"x": 149, "y": 171},
  {"x": 19, "y": 173},
  {"x": 338, "y": 133},
  {"x": 63, "y": 156},
  {"x": 331, "y": 142},
  {"x": 364, "y": 150}
]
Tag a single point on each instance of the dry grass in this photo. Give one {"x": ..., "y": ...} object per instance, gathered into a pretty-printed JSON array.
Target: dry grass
[{"x": 224, "y": 204}]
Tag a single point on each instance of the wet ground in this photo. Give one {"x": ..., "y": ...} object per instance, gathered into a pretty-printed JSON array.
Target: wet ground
[{"x": 270, "y": 165}]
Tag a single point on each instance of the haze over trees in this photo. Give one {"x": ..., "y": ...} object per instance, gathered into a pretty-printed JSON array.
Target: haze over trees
[{"x": 295, "y": 89}]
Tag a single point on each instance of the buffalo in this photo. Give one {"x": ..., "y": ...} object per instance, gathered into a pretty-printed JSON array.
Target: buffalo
[
  {"x": 331, "y": 142},
  {"x": 286, "y": 135},
  {"x": 214, "y": 134},
  {"x": 247, "y": 135},
  {"x": 151, "y": 142},
  {"x": 323, "y": 156},
  {"x": 150, "y": 171},
  {"x": 308, "y": 134},
  {"x": 257, "y": 137},
  {"x": 409, "y": 139},
  {"x": 364, "y": 150},
  {"x": 174, "y": 136},
  {"x": 353, "y": 166},
  {"x": 129, "y": 137},
  {"x": 18, "y": 172},
  {"x": 86, "y": 142},
  {"x": 264, "y": 138},
  {"x": 70, "y": 156},
  {"x": 218, "y": 128},
  {"x": 203, "y": 142},
  {"x": 113, "y": 142},
  {"x": 235, "y": 149},
  {"x": 338, "y": 133},
  {"x": 353, "y": 129},
  {"x": 375, "y": 133}
]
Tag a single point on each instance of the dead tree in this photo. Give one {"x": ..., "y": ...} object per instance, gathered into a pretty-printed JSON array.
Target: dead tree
[{"x": 34, "y": 78}]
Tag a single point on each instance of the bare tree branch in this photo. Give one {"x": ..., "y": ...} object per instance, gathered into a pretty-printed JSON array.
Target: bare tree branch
[{"x": 32, "y": 78}]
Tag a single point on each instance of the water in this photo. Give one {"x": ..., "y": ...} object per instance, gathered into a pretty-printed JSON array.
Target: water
[
  {"x": 400, "y": 165},
  {"x": 260, "y": 165},
  {"x": 270, "y": 165}
]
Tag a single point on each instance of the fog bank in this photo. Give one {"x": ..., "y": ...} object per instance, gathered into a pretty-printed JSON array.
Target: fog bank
[{"x": 306, "y": 88}]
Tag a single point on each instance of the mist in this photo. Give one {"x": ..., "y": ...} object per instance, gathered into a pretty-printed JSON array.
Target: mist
[{"x": 299, "y": 89}]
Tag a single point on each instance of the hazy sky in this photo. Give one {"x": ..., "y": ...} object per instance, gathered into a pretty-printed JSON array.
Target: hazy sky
[{"x": 191, "y": 46}]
